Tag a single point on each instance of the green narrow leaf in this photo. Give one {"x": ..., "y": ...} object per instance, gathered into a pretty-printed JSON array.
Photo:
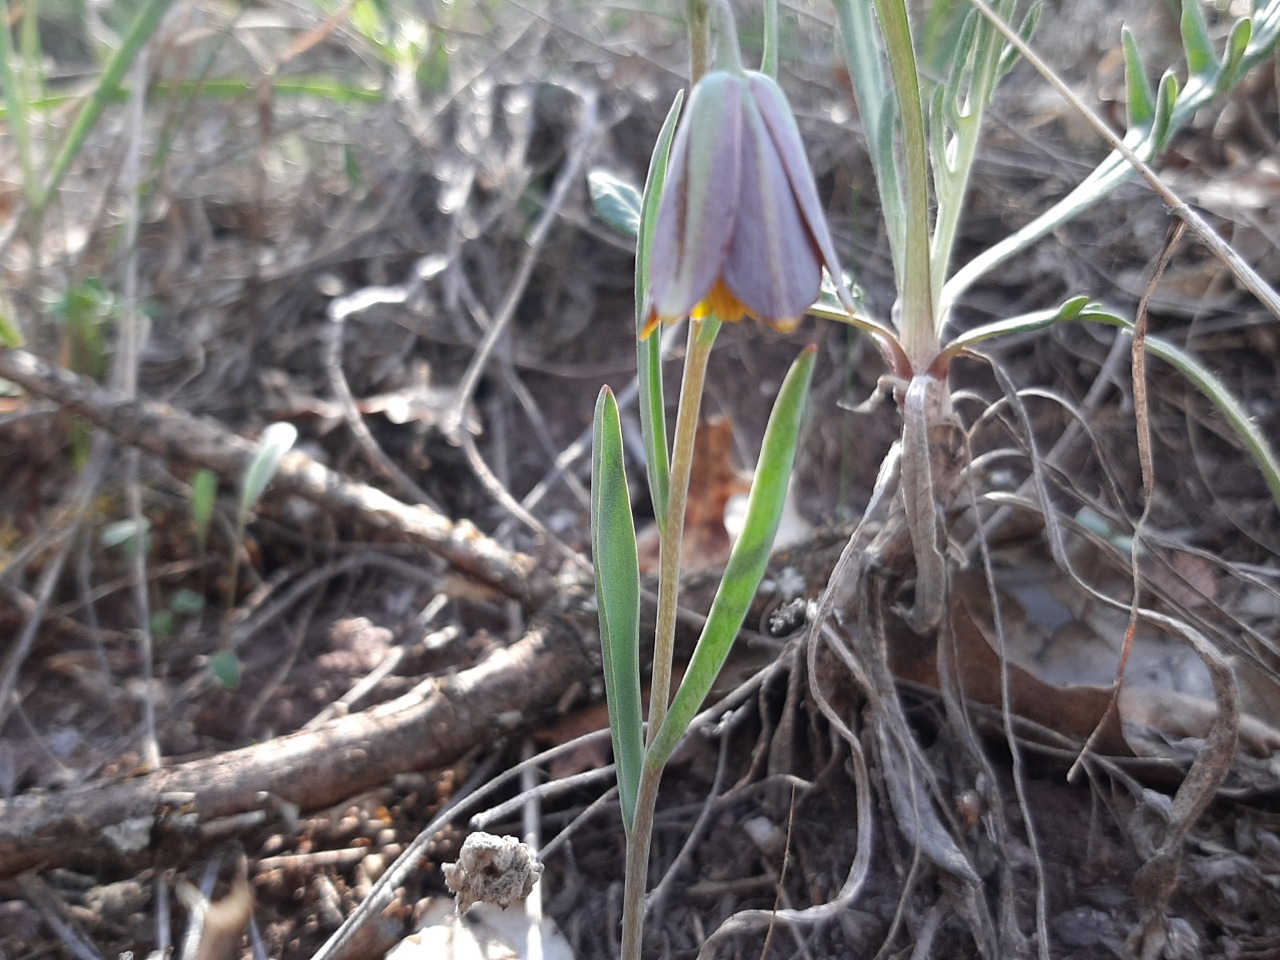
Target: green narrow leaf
[
  {"x": 613, "y": 547},
  {"x": 144, "y": 25},
  {"x": 746, "y": 562},
  {"x": 1023, "y": 323},
  {"x": 1233, "y": 56},
  {"x": 1162, "y": 126},
  {"x": 1201, "y": 58},
  {"x": 1141, "y": 95},
  {"x": 653, "y": 411},
  {"x": 1027, "y": 29},
  {"x": 276, "y": 440},
  {"x": 204, "y": 493},
  {"x": 617, "y": 201},
  {"x": 16, "y": 107},
  {"x": 877, "y": 106}
]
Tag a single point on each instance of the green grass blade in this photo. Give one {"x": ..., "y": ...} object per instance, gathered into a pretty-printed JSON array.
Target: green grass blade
[
  {"x": 746, "y": 562},
  {"x": 204, "y": 494},
  {"x": 653, "y": 410},
  {"x": 16, "y": 106},
  {"x": 144, "y": 25},
  {"x": 613, "y": 547},
  {"x": 275, "y": 442}
]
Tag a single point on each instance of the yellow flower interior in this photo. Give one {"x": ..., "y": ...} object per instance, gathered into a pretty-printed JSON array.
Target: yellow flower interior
[{"x": 722, "y": 302}]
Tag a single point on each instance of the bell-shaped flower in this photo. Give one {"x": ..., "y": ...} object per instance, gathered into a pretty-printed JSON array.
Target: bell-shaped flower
[{"x": 739, "y": 230}]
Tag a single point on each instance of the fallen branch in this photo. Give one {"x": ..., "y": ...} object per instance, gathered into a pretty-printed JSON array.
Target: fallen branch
[
  {"x": 102, "y": 828},
  {"x": 183, "y": 440}
]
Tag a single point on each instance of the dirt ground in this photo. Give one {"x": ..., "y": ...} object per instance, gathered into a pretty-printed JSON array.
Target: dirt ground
[{"x": 381, "y": 235}]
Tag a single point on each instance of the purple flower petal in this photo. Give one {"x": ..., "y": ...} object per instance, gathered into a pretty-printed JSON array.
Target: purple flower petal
[
  {"x": 774, "y": 265},
  {"x": 785, "y": 135},
  {"x": 696, "y": 216}
]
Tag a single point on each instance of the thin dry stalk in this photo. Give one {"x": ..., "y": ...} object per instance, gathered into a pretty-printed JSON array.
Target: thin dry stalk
[{"x": 569, "y": 176}]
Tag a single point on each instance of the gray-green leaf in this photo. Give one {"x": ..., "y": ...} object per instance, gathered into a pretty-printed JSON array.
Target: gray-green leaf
[{"x": 613, "y": 546}]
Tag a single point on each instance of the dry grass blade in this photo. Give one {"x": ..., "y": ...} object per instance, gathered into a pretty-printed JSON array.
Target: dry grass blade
[
  {"x": 569, "y": 176},
  {"x": 322, "y": 214},
  {"x": 1142, "y": 416},
  {"x": 339, "y": 310}
]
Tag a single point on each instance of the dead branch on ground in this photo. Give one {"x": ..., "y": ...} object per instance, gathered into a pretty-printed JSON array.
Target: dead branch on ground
[
  {"x": 104, "y": 827},
  {"x": 186, "y": 442}
]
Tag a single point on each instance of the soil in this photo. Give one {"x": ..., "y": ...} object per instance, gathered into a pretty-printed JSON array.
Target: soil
[{"x": 404, "y": 614}]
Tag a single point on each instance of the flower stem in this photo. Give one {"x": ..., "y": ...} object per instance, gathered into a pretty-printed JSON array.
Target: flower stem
[
  {"x": 702, "y": 334},
  {"x": 698, "y": 14},
  {"x": 915, "y": 286},
  {"x": 637, "y": 872},
  {"x": 769, "y": 58}
]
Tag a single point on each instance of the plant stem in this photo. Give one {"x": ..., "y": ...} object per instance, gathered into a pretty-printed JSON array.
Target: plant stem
[
  {"x": 698, "y": 13},
  {"x": 915, "y": 286},
  {"x": 702, "y": 334},
  {"x": 769, "y": 59},
  {"x": 637, "y": 872}
]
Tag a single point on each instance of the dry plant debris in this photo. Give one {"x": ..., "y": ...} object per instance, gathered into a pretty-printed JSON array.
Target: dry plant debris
[
  {"x": 491, "y": 869},
  {"x": 399, "y": 261}
]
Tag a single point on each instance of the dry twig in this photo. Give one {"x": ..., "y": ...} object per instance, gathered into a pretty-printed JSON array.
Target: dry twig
[{"x": 188, "y": 443}]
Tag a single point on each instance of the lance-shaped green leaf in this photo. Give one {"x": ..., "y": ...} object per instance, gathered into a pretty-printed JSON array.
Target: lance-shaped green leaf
[
  {"x": 1141, "y": 96},
  {"x": 746, "y": 562},
  {"x": 274, "y": 443},
  {"x": 1195, "y": 39},
  {"x": 653, "y": 417},
  {"x": 617, "y": 201},
  {"x": 613, "y": 547},
  {"x": 1234, "y": 53}
]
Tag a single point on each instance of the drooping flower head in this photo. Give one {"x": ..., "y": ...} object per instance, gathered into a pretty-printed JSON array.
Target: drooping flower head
[{"x": 739, "y": 230}]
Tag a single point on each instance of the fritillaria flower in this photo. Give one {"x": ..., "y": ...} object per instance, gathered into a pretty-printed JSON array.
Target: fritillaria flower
[{"x": 740, "y": 230}]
